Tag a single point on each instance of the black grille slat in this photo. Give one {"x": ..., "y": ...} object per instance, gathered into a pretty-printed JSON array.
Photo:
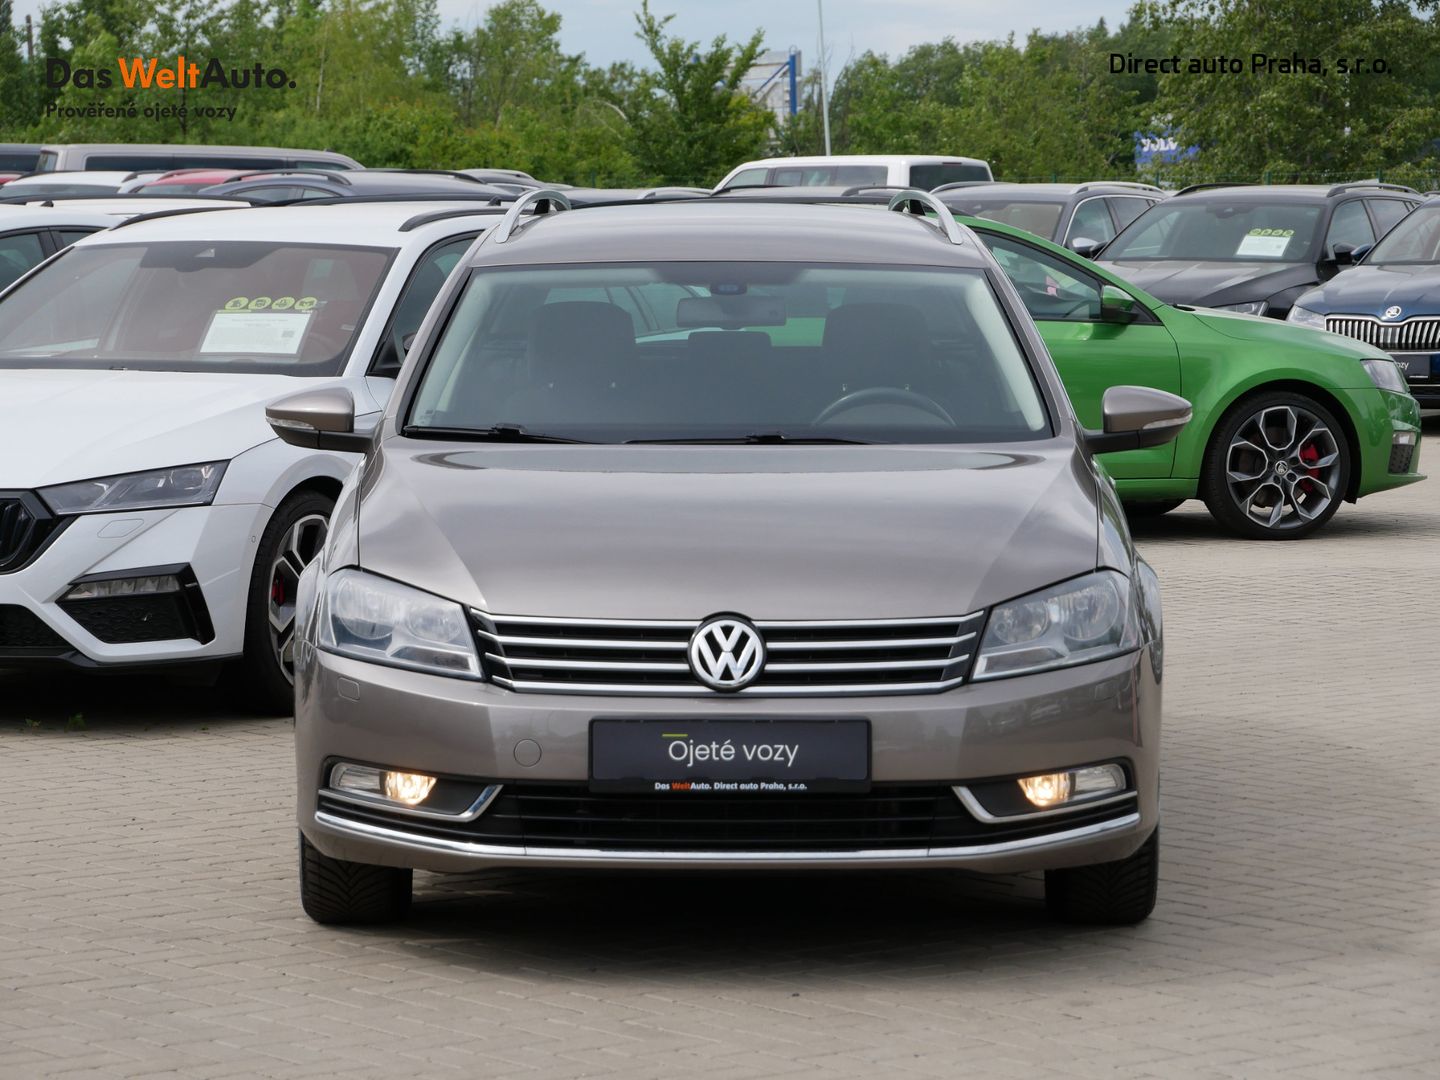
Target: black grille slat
[
  {"x": 26, "y": 526},
  {"x": 888, "y": 817},
  {"x": 579, "y": 656}
]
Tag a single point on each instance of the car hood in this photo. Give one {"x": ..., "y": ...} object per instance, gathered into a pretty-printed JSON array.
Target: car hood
[
  {"x": 57, "y": 426},
  {"x": 1264, "y": 331},
  {"x": 790, "y": 532},
  {"x": 1369, "y": 290},
  {"x": 1206, "y": 283}
]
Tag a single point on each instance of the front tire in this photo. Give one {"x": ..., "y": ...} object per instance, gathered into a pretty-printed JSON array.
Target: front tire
[
  {"x": 294, "y": 536},
  {"x": 1277, "y": 467},
  {"x": 334, "y": 892},
  {"x": 1118, "y": 893}
]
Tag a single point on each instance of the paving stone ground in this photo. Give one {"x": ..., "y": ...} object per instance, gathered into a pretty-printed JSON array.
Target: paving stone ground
[{"x": 149, "y": 924}]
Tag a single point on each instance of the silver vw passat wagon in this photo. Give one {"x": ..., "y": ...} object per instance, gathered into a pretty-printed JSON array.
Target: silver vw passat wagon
[{"x": 717, "y": 535}]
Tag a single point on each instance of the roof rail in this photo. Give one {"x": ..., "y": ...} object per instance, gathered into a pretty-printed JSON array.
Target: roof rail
[
  {"x": 906, "y": 200},
  {"x": 1129, "y": 185},
  {"x": 1215, "y": 184},
  {"x": 858, "y": 188},
  {"x": 672, "y": 192},
  {"x": 125, "y": 196},
  {"x": 484, "y": 197},
  {"x": 1338, "y": 188},
  {"x": 553, "y": 201},
  {"x": 178, "y": 212},
  {"x": 432, "y": 172},
  {"x": 430, "y": 216},
  {"x": 329, "y": 174},
  {"x": 962, "y": 184}
]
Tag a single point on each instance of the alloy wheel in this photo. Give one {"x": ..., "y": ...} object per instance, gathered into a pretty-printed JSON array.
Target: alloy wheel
[
  {"x": 1283, "y": 467},
  {"x": 301, "y": 543}
]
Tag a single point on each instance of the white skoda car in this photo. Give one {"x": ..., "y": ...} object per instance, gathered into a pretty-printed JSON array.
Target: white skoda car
[{"x": 148, "y": 514}]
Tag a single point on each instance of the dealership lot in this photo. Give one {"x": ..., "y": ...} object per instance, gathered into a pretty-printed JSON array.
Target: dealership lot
[{"x": 149, "y": 923}]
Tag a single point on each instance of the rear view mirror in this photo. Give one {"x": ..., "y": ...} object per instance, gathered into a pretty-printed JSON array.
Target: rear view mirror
[
  {"x": 317, "y": 420},
  {"x": 1117, "y": 305},
  {"x": 729, "y": 312},
  {"x": 1085, "y": 248},
  {"x": 1136, "y": 417}
]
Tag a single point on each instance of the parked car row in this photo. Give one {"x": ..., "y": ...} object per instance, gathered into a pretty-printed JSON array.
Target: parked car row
[{"x": 532, "y": 502}]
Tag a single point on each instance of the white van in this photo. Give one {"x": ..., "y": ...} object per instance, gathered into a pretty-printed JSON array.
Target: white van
[
  {"x": 847, "y": 170},
  {"x": 137, "y": 157}
]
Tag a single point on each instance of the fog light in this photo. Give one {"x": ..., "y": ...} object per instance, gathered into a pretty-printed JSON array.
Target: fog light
[
  {"x": 1046, "y": 790},
  {"x": 151, "y": 585},
  {"x": 408, "y": 788},
  {"x": 348, "y": 777},
  {"x": 1097, "y": 780},
  {"x": 1404, "y": 438}
]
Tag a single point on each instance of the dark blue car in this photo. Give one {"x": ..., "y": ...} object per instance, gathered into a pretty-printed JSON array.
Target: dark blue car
[{"x": 1391, "y": 300}]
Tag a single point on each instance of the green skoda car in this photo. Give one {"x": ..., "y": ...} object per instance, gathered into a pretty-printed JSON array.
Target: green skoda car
[{"x": 1288, "y": 421}]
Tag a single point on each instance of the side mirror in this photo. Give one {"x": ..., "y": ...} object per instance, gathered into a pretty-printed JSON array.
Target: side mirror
[
  {"x": 406, "y": 342},
  {"x": 1344, "y": 254},
  {"x": 1117, "y": 305},
  {"x": 1136, "y": 417},
  {"x": 1085, "y": 248},
  {"x": 317, "y": 420}
]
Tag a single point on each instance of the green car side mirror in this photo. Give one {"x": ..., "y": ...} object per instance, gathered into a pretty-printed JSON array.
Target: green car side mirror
[{"x": 1117, "y": 306}]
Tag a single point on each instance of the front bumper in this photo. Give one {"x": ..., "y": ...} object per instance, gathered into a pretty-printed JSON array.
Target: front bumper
[
  {"x": 1381, "y": 418},
  {"x": 358, "y": 712},
  {"x": 211, "y": 547}
]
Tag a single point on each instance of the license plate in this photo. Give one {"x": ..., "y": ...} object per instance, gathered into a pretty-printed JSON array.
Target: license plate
[
  {"x": 732, "y": 757},
  {"x": 1415, "y": 367}
]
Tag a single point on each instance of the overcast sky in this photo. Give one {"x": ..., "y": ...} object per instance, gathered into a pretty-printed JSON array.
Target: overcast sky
[{"x": 604, "y": 30}]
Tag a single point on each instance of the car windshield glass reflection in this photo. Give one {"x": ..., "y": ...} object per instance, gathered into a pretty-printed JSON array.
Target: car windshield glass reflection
[
  {"x": 728, "y": 352},
  {"x": 1414, "y": 240},
  {"x": 1213, "y": 230},
  {"x": 1039, "y": 218},
  {"x": 193, "y": 306}
]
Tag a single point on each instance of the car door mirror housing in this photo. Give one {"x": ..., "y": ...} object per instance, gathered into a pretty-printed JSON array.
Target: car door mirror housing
[
  {"x": 317, "y": 420},
  {"x": 1136, "y": 417},
  {"x": 1117, "y": 305},
  {"x": 1085, "y": 247},
  {"x": 1343, "y": 254}
]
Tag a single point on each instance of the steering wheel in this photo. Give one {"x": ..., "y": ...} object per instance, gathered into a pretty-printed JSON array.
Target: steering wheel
[{"x": 883, "y": 395}]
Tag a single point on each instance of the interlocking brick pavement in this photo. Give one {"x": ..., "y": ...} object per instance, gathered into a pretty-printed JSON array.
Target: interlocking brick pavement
[{"x": 149, "y": 925}]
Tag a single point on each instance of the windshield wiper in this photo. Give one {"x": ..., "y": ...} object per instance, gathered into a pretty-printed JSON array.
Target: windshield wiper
[
  {"x": 756, "y": 438},
  {"x": 507, "y": 433}
]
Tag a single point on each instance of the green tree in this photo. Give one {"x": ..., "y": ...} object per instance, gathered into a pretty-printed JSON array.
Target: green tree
[
  {"x": 17, "y": 97},
  {"x": 1301, "y": 125},
  {"x": 690, "y": 122}
]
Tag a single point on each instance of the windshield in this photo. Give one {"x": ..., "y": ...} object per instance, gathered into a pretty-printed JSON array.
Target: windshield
[
  {"x": 1415, "y": 240},
  {"x": 729, "y": 351},
  {"x": 238, "y": 306},
  {"x": 1220, "y": 230},
  {"x": 1039, "y": 218}
]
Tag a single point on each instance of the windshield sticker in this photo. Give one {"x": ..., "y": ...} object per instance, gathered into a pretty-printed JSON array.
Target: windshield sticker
[
  {"x": 261, "y": 303},
  {"x": 1265, "y": 243},
  {"x": 251, "y": 332}
]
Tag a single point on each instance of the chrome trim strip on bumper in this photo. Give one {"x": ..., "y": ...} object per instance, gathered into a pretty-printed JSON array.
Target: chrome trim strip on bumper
[
  {"x": 519, "y": 853},
  {"x": 359, "y": 798},
  {"x": 664, "y": 690},
  {"x": 979, "y": 812}
]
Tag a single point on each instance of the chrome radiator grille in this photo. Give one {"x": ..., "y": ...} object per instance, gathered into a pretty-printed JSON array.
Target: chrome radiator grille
[
  {"x": 624, "y": 656},
  {"x": 1419, "y": 334}
]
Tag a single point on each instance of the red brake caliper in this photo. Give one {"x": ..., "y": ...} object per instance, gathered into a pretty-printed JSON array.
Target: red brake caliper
[
  {"x": 277, "y": 591},
  {"x": 1309, "y": 455}
]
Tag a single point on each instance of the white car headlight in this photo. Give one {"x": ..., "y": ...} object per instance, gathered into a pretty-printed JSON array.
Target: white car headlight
[
  {"x": 1084, "y": 619},
  {"x": 1252, "y": 307},
  {"x": 379, "y": 620},
  {"x": 1305, "y": 317},
  {"x": 1386, "y": 375},
  {"x": 184, "y": 485}
]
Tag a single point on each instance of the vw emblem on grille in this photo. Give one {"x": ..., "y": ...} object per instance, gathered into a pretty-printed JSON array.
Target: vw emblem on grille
[
  {"x": 726, "y": 652},
  {"x": 1392, "y": 312}
]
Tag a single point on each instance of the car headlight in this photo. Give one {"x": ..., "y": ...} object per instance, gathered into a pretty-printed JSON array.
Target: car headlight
[
  {"x": 379, "y": 620},
  {"x": 184, "y": 485},
  {"x": 1386, "y": 375},
  {"x": 1075, "y": 622},
  {"x": 1253, "y": 307},
  {"x": 1305, "y": 317}
]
